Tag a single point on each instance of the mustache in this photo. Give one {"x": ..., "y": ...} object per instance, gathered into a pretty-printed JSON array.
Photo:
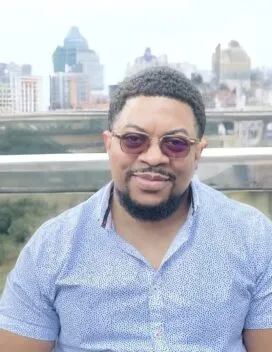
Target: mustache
[{"x": 156, "y": 170}]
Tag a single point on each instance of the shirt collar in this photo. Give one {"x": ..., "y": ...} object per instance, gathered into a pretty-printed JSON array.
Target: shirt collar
[
  {"x": 195, "y": 194},
  {"x": 107, "y": 193},
  {"x": 104, "y": 196}
]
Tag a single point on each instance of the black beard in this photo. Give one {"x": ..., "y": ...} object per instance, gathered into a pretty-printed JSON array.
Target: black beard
[{"x": 157, "y": 212}]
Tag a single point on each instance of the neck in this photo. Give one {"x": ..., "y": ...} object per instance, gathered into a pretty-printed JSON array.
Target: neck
[
  {"x": 151, "y": 238},
  {"x": 121, "y": 218}
]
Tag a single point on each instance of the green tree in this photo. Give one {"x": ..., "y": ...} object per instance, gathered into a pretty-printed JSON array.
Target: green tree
[
  {"x": 5, "y": 218},
  {"x": 20, "y": 230},
  {"x": 14, "y": 141}
]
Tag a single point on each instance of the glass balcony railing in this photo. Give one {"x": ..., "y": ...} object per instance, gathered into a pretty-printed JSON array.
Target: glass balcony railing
[
  {"x": 80, "y": 131},
  {"x": 34, "y": 188},
  {"x": 222, "y": 168}
]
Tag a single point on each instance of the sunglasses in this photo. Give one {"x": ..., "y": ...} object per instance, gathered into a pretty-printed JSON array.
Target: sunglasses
[{"x": 171, "y": 145}]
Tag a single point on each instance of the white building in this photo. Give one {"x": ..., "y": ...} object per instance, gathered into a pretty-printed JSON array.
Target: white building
[
  {"x": 19, "y": 93},
  {"x": 29, "y": 93}
]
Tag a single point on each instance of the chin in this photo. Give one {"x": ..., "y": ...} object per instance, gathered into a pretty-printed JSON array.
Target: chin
[{"x": 149, "y": 200}]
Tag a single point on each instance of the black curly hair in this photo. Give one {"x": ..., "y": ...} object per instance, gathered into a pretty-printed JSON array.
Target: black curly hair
[{"x": 161, "y": 81}]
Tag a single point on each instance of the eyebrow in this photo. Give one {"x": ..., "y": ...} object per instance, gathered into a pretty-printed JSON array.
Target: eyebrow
[
  {"x": 178, "y": 130},
  {"x": 130, "y": 125}
]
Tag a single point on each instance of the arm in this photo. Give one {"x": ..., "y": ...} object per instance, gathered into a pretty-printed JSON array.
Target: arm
[
  {"x": 258, "y": 340},
  {"x": 10, "y": 342},
  {"x": 26, "y": 305},
  {"x": 258, "y": 325}
]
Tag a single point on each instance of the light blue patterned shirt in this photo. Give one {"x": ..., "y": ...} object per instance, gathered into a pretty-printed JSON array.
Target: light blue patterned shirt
[{"x": 79, "y": 283}]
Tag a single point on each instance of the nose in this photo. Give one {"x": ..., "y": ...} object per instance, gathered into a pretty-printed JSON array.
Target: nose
[{"x": 153, "y": 155}]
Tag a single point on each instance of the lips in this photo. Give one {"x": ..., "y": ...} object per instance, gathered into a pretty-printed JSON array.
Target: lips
[
  {"x": 151, "y": 182},
  {"x": 152, "y": 176}
]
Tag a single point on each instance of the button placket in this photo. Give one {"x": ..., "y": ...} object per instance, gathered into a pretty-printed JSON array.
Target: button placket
[{"x": 156, "y": 308}]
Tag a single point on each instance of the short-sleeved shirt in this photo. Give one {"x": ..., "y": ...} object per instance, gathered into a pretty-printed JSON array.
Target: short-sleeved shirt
[{"x": 78, "y": 282}]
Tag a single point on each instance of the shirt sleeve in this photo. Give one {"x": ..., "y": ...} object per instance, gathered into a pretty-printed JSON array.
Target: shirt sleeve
[
  {"x": 260, "y": 310},
  {"x": 26, "y": 307}
]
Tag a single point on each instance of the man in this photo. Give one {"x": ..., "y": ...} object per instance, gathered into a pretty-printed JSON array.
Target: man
[{"x": 154, "y": 261}]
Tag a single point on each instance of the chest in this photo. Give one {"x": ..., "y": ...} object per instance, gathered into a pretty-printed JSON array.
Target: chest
[{"x": 125, "y": 299}]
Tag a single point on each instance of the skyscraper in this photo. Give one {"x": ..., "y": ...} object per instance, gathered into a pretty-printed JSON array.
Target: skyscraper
[
  {"x": 59, "y": 59},
  {"x": 232, "y": 66},
  {"x": 147, "y": 60},
  {"x": 19, "y": 90},
  {"x": 76, "y": 57},
  {"x": 69, "y": 91}
]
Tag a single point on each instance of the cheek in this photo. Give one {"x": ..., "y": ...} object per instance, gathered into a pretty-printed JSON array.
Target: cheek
[
  {"x": 184, "y": 171},
  {"x": 119, "y": 164},
  {"x": 183, "y": 166}
]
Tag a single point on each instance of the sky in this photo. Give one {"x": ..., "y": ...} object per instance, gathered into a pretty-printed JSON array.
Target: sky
[{"x": 120, "y": 30}]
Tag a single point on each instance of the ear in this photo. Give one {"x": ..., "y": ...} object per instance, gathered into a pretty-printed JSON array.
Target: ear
[
  {"x": 106, "y": 135},
  {"x": 199, "y": 149}
]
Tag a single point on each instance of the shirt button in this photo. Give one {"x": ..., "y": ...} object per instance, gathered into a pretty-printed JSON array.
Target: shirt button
[{"x": 158, "y": 334}]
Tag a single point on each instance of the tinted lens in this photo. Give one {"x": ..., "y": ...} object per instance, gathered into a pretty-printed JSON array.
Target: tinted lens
[
  {"x": 134, "y": 143},
  {"x": 176, "y": 147}
]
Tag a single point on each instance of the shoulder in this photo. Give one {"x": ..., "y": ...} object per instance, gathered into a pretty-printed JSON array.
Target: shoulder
[
  {"x": 235, "y": 222},
  {"x": 61, "y": 227},
  {"x": 59, "y": 238},
  {"x": 219, "y": 206}
]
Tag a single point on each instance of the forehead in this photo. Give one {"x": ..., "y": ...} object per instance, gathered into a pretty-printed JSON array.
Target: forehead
[{"x": 157, "y": 115}]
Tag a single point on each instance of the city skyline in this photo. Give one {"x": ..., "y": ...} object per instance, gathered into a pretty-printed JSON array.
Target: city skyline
[
  {"x": 70, "y": 83},
  {"x": 119, "y": 32}
]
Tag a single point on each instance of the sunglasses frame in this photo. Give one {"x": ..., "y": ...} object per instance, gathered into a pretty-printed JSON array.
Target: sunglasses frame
[{"x": 191, "y": 141}]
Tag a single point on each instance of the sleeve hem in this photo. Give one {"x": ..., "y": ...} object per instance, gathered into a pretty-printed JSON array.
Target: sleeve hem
[
  {"x": 27, "y": 330},
  {"x": 265, "y": 323}
]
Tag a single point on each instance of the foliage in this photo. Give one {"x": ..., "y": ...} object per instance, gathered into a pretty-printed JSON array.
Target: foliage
[
  {"x": 12, "y": 143},
  {"x": 19, "y": 230},
  {"x": 8, "y": 251},
  {"x": 19, "y": 219},
  {"x": 5, "y": 219},
  {"x": 20, "y": 216}
]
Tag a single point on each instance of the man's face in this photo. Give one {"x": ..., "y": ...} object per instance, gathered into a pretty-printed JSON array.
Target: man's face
[{"x": 151, "y": 177}]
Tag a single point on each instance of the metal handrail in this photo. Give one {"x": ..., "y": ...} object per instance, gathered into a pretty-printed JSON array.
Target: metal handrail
[{"x": 212, "y": 115}]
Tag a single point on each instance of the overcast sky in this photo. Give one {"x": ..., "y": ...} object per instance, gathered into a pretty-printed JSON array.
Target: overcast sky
[{"x": 119, "y": 30}]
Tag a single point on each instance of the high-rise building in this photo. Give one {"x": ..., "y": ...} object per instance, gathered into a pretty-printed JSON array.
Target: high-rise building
[
  {"x": 87, "y": 62},
  {"x": 149, "y": 60},
  {"x": 69, "y": 91},
  {"x": 19, "y": 90},
  {"x": 76, "y": 57},
  {"x": 26, "y": 70},
  {"x": 29, "y": 88},
  {"x": 6, "y": 98},
  {"x": 59, "y": 91},
  {"x": 145, "y": 61},
  {"x": 59, "y": 59},
  {"x": 232, "y": 66}
]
